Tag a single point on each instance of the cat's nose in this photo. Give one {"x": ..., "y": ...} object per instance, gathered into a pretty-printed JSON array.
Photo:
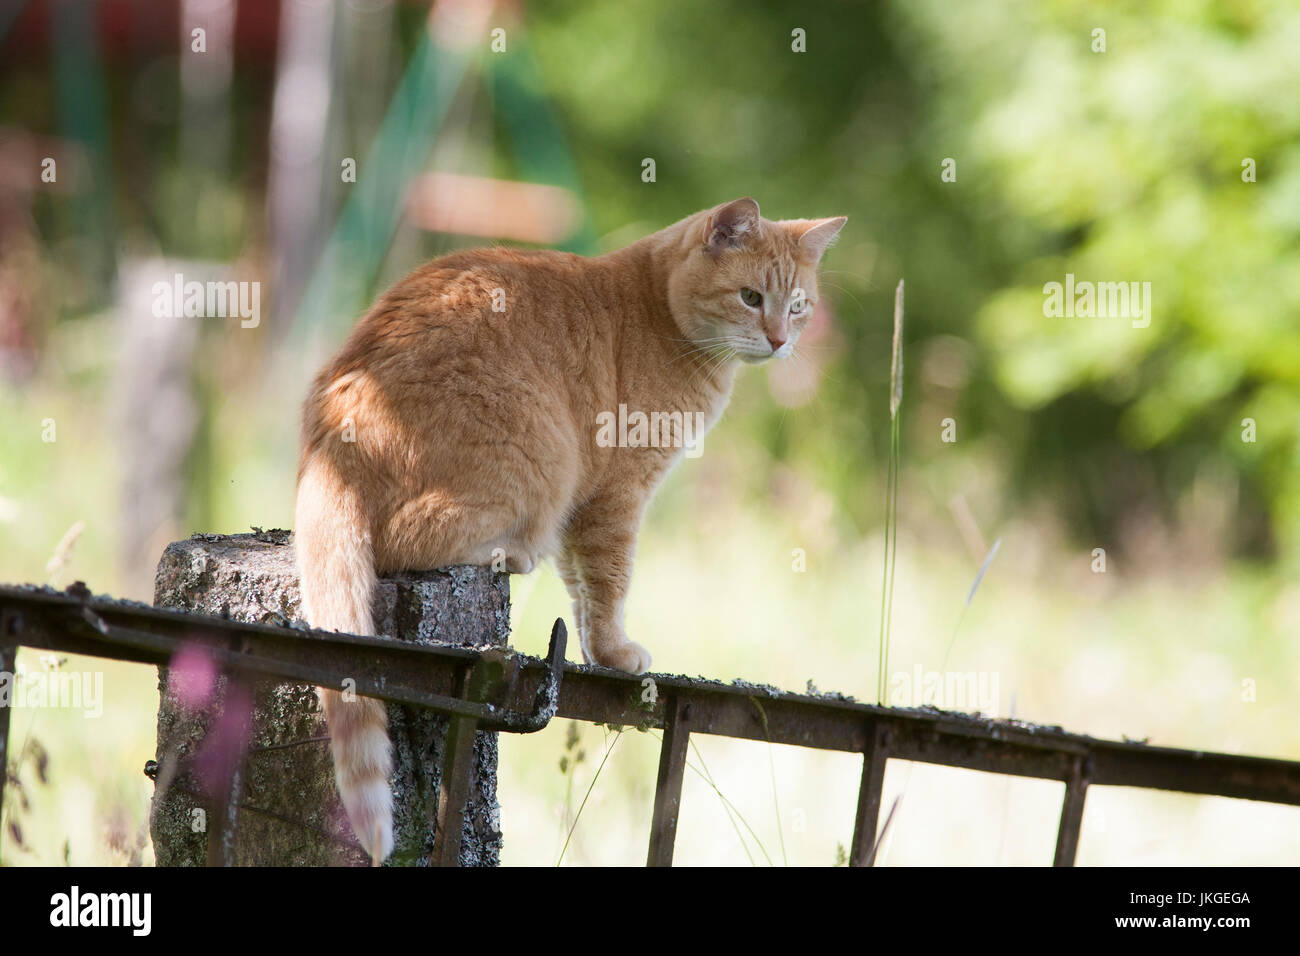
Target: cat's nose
[{"x": 776, "y": 341}]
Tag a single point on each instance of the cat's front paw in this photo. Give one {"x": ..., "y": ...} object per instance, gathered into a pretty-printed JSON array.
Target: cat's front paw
[{"x": 628, "y": 656}]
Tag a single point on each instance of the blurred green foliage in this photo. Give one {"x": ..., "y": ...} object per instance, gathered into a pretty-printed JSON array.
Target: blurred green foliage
[{"x": 1122, "y": 165}]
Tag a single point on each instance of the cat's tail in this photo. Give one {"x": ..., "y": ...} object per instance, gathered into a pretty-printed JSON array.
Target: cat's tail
[{"x": 336, "y": 570}]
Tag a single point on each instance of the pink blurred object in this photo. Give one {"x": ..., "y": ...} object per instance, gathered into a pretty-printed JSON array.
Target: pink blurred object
[
  {"x": 794, "y": 381},
  {"x": 493, "y": 208},
  {"x": 193, "y": 679},
  {"x": 226, "y": 742}
]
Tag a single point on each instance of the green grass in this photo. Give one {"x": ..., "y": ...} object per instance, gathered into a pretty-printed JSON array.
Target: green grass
[
  {"x": 1158, "y": 651},
  {"x": 1157, "y": 657},
  {"x": 1154, "y": 657}
]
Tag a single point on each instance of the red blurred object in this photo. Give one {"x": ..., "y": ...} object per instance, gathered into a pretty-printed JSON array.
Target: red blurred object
[{"x": 127, "y": 28}]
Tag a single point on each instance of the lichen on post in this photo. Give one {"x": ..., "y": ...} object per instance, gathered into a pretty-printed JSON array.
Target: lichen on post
[{"x": 288, "y": 810}]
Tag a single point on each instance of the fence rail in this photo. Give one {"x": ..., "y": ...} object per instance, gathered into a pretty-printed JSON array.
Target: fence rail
[{"x": 511, "y": 692}]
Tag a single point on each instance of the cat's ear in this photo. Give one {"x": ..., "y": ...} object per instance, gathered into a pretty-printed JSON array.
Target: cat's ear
[
  {"x": 816, "y": 235},
  {"x": 731, "y": 225}
]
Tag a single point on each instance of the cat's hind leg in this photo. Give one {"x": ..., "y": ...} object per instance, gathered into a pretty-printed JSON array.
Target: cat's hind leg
[
  {"x": 441, "y": 528},
  {"x": 568, "y": 571}
]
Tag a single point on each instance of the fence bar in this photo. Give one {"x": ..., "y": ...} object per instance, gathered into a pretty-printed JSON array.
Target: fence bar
[
  {"x": 863, "y": 851},
  {"x": 524, "y": 697},
  {"x": 228, "y": 772},
  {"x": 453, "y": 791},
  {"x": 1076, "y": 791},
  {"x": 225, "y": 815},
  {"x": 8, "y": 665},
  {"x": 668, "y": 788}
]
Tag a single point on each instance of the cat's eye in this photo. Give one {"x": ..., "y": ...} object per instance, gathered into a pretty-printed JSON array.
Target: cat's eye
[{"x": 751, "y": 298}]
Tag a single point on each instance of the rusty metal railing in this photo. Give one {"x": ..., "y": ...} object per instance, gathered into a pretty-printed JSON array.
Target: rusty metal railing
[{"x": 515, "y": 693}]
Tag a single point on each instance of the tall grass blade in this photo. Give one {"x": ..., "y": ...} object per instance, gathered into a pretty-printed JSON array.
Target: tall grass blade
[
  {"x": 891, "y": 498},
  {"x": 729, "y": 807},
  {"x": 578, "y": 815},
  {"x": 884, "y": 831},
  {"x": 970, "y": 596}
]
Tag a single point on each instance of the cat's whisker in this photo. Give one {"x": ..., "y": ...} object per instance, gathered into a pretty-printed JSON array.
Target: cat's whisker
[
  {"x": 675, "y": 338},
  {"x": 689, "y": 353},
  {"x": 839, "y": 288},
  {"x": 697, "y": 346},
  {"x": 706, "y": 348},
  {"x": 702, "y": 357},
  {"x": 720, "y": 358},
  {"x": 681, "y": 354}
]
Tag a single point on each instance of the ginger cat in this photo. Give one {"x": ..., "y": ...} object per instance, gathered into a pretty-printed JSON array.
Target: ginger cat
[{"x": 460, "y": 422}]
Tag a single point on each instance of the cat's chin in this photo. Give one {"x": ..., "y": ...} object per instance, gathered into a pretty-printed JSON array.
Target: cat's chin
[{"x": 750, "y": 359}]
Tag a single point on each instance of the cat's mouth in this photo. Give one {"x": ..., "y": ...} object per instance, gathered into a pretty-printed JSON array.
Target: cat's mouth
[
  {"x": 749, "y": 351},
  {"x": 753, "y": 357}
]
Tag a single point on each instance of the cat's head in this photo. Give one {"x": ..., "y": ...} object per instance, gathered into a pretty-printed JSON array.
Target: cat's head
[{"x": 747, "y": 283}]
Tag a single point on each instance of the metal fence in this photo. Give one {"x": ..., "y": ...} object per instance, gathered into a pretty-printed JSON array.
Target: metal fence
[{"x": 514, "y": 693}]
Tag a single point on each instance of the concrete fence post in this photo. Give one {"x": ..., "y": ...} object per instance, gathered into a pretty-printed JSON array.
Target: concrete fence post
[{"x": 288, "y": 810}]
